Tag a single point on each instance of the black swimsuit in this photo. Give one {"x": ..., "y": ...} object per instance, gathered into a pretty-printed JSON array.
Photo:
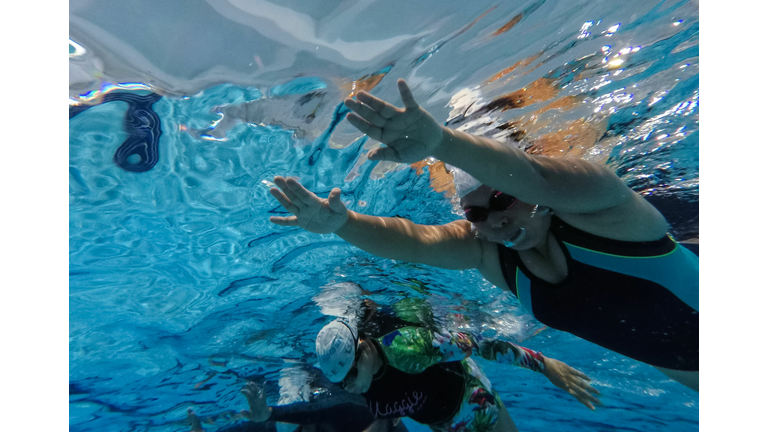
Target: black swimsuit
[
  {"x": 639, "y": 299},
  {"x": 431, "y": 397}
]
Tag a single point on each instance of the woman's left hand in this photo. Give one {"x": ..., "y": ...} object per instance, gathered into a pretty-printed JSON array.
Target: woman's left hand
[
  {"x": 410, "y": 134},
  {"x": 572, "y": 381},
  {"x": 257, "y": 402}
]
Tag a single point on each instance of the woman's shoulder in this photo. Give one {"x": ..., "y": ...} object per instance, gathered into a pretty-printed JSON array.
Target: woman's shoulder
[{"x": 636, "y": 220}]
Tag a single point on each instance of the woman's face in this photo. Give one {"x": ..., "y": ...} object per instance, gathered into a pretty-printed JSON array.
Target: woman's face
[
  {"x": 360, "y": 376},
  {"x": 519, "y": 226}
]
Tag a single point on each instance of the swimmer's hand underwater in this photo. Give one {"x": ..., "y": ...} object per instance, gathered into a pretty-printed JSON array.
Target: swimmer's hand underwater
[
  {"x": 314, "y": 214},
  {"x": 257, "y": 402},
  {"x": 410, "y": 134},
  {"x": 572, "y": 381}
]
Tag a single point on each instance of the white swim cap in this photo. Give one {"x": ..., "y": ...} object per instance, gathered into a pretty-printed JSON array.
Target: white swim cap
[
  {"x": 336, "y": 345},
  {"x": 464, "y": 182}
]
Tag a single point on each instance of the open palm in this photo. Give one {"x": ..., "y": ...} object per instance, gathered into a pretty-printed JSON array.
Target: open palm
[
  {"x": 410, "y": 134},
  {"x": 314, "y": 214},
  {"x": 257, "y": 402}
]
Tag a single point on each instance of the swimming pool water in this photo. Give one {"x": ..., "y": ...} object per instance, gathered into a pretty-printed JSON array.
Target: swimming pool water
[{"x": 180, "y": 288}]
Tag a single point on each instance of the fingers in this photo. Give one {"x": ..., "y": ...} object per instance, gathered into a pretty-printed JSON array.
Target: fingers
[
  {"x": 584, "y": 397},
  {"x": 282, "y": 183},
  {"x": 590, "y": 401},
  {"x": 587, "y": 404},
  {"x": 365, "y": 112},
  {"x": 248, "y": 389},
  {"x": 301, "y": 192},
  {"x": 251, "y": 389},
  {"x": 581, "y": 389},
  {"x": 580, "y": 374},
  {"x": 384, "y": 109},
  {"x": 364, "y": 127},
  {"x": 334, "y": 201},
  {"x": 590, "y": 389},
  {"x": 590, "y": 397},
  {"x": 405, "y": 94},
  {"x": 580, "y": 397},
  {"x": 295, "y": 193},
  {"x": 584, "y": 380},
  {"x": 284, "y": 201},
  {"x": 384, "y": 153},
  {"x": 285, "y": 221}
]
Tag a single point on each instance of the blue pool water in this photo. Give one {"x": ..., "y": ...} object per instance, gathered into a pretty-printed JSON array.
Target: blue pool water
[{"x": 180, "y": 288}]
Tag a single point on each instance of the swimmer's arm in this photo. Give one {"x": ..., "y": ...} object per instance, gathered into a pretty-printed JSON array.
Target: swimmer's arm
[
  {"x": 570, "y": 380},
  {"x": 413, "y": 349},
  {"x": 339, "y": 416},
  {"x": 563, "y": 184},
  {"x": 451, "y": 246},
  {"x": 327, "y": 411},
  {"x": 509, "y": 353},
  {"x": 458, "y": 346}
]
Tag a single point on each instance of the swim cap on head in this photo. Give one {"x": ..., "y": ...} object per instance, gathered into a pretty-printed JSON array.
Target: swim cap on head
[
  {"x": 336, "y": 345},
  {"x": 464, "y": 182}
]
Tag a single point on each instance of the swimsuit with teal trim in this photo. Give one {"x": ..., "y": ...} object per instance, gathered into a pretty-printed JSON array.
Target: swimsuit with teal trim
[{"x": 639, "y": 299}]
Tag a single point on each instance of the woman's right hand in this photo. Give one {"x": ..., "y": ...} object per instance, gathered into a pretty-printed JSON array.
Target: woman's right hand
[{"x": 314, "y": 214}]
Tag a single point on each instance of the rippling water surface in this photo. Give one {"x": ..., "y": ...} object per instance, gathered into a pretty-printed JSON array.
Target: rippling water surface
[{"x": 182, "y": 112}]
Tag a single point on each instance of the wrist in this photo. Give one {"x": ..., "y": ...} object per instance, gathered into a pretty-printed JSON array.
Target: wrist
[
  {"x": 263, "y": 417},
  {"x": 544, "y": 362},
  {"x": 443, "y": 150},
  {"x": 345, "y": 226}
]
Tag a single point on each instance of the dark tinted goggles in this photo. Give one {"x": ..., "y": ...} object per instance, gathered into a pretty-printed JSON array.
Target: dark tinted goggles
[{"x": 499, "y": 202}]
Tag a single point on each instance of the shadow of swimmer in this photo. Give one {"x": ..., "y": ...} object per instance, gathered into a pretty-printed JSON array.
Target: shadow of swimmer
[{"x": 140, "y": 152}]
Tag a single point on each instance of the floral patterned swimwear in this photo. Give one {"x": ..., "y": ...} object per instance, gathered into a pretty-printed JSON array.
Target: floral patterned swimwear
[{"x": 430, "y": 378}]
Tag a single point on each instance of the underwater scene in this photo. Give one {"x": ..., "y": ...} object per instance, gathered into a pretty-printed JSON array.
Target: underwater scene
[{"x": 182, "y": 113}]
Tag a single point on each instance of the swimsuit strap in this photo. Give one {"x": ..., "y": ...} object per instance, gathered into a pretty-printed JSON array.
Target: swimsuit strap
[{"x": 569, "y": 234}]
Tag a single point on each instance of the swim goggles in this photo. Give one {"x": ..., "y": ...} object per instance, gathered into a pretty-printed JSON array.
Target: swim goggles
[{"x": 499, "y": 202}]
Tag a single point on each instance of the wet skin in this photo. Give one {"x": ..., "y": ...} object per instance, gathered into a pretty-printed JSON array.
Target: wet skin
[
  {"x": 523, "y": 224},
  {"x": 360, "y": 376}
]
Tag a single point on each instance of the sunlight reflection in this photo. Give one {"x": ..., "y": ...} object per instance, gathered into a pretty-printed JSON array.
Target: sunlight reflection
[
  {"x": 94, "y": 97},
  {"x": 584, "y": 28},
  {"x": 611, "y": 30},
  {"x": 76, "y": 50}
]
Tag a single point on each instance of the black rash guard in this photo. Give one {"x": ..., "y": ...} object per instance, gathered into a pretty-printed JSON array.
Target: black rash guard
[
  {"x": 639, "y": 299},
  {"x": 430, "y": 397},
  {"x": 336, "y": 411},
  {"x": 330, "y": 415}
]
